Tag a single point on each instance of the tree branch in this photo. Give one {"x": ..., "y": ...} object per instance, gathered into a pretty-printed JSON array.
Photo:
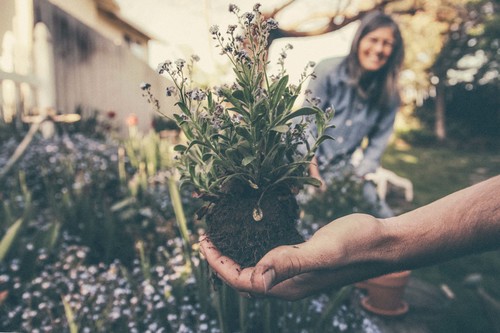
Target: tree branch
[{"x": 333, "y": 24}]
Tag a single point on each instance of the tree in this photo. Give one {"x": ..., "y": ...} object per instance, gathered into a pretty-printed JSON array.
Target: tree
[
  {"x": 469, "y": 53},
  {"x": 441, "y": 37},
  {"x": 329, "y": 16}
]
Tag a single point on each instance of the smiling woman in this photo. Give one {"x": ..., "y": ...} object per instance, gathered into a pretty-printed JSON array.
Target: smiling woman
[
  {"x": 376, "y": 48},
  {"x": 362, "y": 88}
]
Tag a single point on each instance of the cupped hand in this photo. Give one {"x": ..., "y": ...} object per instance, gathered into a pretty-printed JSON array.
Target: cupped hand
[{"x": 295, "y": 271}]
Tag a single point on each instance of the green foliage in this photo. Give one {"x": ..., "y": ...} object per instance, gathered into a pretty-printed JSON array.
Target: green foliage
[
  {"x": 14, "y": 229},
  {"x": 84, "y": 188},
  {"x": 472, "y": 34},
  {"x": 119, "y": 262},
  {"x": 249, "y": 130},
  {"x": 472, "y": 117},
  {"x": 12, "y": 129},
  {"x": 9, "y": 237},
  {"x": 342, "y": 196}
]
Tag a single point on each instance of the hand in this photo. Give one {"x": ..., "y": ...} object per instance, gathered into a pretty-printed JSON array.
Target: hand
[
  {"x": 356, "y": 247},
  {"x": 330, "y": 258},
  {"x": 314, "y": 172}
]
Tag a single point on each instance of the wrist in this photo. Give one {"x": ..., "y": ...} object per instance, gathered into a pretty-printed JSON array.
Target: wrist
[
  {"x": 369, "y": 238},
  {"x": 393, "y": 244}
]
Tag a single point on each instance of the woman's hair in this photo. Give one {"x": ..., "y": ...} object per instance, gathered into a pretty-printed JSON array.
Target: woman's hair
[{"x": 380, "y": 87}]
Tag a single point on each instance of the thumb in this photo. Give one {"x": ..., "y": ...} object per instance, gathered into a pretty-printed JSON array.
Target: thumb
[{"x": 277, "y": 265}]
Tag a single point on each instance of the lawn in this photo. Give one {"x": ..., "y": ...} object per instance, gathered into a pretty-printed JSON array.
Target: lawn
[{"x": 435, "y": 172}]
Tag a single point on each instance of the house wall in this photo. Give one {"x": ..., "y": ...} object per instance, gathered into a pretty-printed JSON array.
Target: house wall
[
  {"x": 87, "y": 12},
  {"x": 7, "y": 13},
  {"x": 17, "y": 82},
  {"x": 94, "y": 73}
]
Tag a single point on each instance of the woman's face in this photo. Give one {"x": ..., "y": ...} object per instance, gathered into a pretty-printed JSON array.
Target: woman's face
[{"x": 375, "y": 48}]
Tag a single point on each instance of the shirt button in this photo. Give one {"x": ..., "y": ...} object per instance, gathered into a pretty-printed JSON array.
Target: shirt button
[
  {"x": 348, "y": 123},
  {"x": 340, "y": 139}
]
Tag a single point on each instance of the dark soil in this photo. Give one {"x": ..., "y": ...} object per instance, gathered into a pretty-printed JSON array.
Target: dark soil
[{"x": 233, "y": 230}]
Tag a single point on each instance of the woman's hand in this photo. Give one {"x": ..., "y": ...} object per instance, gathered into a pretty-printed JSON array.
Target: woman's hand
[{"x": 314, "y": 172}]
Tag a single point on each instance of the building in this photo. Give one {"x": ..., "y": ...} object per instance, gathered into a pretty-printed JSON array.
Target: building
[{"x": 60, "y": 56}]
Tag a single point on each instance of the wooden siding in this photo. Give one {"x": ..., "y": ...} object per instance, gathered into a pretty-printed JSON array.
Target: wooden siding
[{"x": 94, "y": 73}]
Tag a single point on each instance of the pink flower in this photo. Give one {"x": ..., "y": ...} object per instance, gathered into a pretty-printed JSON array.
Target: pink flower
[{"x": 132, "y": 120}]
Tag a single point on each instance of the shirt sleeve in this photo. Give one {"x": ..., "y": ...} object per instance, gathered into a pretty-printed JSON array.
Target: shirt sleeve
[{"x": 377, "y": 141}]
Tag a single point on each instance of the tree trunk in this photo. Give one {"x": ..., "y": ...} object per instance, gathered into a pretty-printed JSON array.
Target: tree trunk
[{"x": 440, "y": 125}]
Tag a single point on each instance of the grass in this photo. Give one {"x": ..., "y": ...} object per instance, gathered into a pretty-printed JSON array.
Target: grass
[
  {"x": 440, "y": 170},
  {"x": 435, "y": 172}
]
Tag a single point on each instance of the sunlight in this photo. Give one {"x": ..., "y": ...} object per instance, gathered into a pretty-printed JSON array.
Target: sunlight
[{"x": 183, "y": 31}]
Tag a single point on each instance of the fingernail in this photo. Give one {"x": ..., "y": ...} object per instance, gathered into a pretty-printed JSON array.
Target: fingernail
[{"x": 268, "y": 279}]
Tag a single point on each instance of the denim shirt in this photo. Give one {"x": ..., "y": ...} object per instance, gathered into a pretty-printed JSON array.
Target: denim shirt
[{"x": 354, "y": 119}]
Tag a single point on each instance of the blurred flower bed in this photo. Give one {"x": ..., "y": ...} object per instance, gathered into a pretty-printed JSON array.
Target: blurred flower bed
[{"x": 90, "y": 242}]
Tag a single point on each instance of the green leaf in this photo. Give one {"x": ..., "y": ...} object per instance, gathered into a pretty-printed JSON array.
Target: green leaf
[
  {"x": 197, "y": 142},
  {"x": 247, "y": 160},
  {"x": 258, "y": 114},
  {"x": 242, "y": 131},
  {"x": 305, "y": 111},
  {"x": 290, "y": 168},
  {"x": 320, "y": 122},
  {"x": 274, "y": 158},
  {"x": 192, "y": 174},
  {"x": 242, "y": 111},
  {"x": 281, "y": 128},
  {"x": 232, "y": 154},
  {"x": 290, "y": 101},
  {"x": 210, "y": 100},
  {"x": 178, "y": 119},
  {"x": 206, "y": 157},
  {"x": 279, "y": 85},
  {"x": 239, "y": 95},
  {"x": 180, "y": 148},
  {"x": 276, "y": 91},
  {"x": 9, "y": 238},
  {"x": 311, "y": 181},
  {"x": 322, "y": 139},
  {"x": 70, "y": 317},
  {"x": 183, "y": 108},
  {"x": 55, "y": 230},
  {"x": 218, "y": 136},
  {"x": 299, "y": 180}
]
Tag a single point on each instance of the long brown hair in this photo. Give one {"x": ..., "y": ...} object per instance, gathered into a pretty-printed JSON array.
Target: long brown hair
[{"x": 381, "y": 87}]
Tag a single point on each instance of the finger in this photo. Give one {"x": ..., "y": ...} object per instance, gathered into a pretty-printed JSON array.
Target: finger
[
  {"x": 279, "y": 264},
  {"x": 285, "y": 262},
  {"x": 226, "y": 268}
]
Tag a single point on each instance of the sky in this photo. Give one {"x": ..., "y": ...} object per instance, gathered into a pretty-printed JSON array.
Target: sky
[{"x": 180, "y": 28}]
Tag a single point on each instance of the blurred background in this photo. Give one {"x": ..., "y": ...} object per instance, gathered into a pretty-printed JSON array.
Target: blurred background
[{"x": 93, "y": 234}]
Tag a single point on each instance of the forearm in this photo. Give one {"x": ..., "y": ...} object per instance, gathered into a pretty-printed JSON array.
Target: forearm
[{"x": 465, "y": 222}]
